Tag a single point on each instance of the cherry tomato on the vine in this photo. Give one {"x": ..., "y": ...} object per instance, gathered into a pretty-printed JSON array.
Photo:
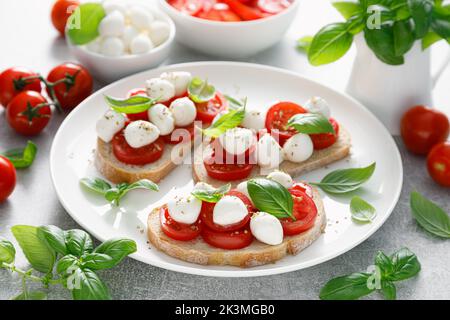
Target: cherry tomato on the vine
[
  {"x": 15, "y": 80},
  {"x": 61, "y": 11}
]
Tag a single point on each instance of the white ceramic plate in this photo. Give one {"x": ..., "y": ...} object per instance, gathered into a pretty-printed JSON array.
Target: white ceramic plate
[{"x": 72, "y": 159}]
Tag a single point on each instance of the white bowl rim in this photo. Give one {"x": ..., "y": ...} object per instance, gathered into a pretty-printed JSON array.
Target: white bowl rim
[{"x": 231, "y": 24}]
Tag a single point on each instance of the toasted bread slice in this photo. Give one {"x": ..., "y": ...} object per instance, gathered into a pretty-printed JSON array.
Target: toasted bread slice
[
  {"x": 319, "y": 159},
  {"x": 117, "y": 172},
  {"x": 258, "y": 253}
]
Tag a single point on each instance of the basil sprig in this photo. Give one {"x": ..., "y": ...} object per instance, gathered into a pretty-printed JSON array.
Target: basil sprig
[
  {"x": 115, "y": 194},
  {"x": 430, "y": 216},
  {"x": 22, "y": 157},
  {"x": 345, "y": 180},
  {"x": 200, "y": 90},
  {"x": 271, "y": 197},
  {"x": 82, "y": 25},
  {"x": 211, "y": 195},
  {"x": 400, "y": 266},
  {"x": 226, "y": 122},
  {"x": 361, "y": 210},
  {"x": 66, "y": 258},
  {"x": 131, "y": 105},
  {"x": 310, "y": 123}
]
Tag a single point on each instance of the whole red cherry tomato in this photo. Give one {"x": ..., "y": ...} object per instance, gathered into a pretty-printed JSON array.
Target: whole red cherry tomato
[
  {"x": 61, "y": 11},
  {"x": 7, "y": 178},
  {"x": 438, "y": 163},
  {"x": 14, "y": 80},
  {"x": 422, "y": 128}
]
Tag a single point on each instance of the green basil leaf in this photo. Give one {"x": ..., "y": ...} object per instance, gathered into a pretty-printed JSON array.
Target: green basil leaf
[
  {"x": 405, "y": 265},
  {"x": 330, "y": 44},
  {"x": 54, "y": 237},
  {"x": 141, "y": 184},
  {"x": 421, "y": 15},
  {"x": 381, "y": 41},
  {"x": 235, "y": 103},
  {"x": 83, "y": 24},
  {"x": 65, "y": 263},
  {"x": 78, "y": 242},
  {"x": 347, "y": 9},
  {"x": 22, "y": 158},
  {"x": 131, "y": 105},
  {"x": 271, "y": 197},
  {"x": 7, "y": 251},
  {"x": 349, "y": 287},
  {"x": 310, "y": 123},
  {"x": 97, "y": 261},
  {"x": 430, "y": 39},
  {"x": 403, "y": 37},
  {"x": 37, "y": 251},
  {"x": 97, "y": 185},
  {"x": 226, "y": 122},
  {"x": 200, "y": 91},
  {"x": 440, "y": 23},
  {"x": 430, "y": 216},
  {"x": 385, "y": 264},
  {"x": 361, "y": 210},
  {"x": 304, "y": 43},
  {"x": 345, "y": 180},
  {"x": 212, "y": 195},
  {"x": 88, "y": 286},
  {"x": 113, "y": 196},
  {"x": 31, "y": 295},
  {"x": 389, "y": 291},
  {"x": 117, "y": 248}
]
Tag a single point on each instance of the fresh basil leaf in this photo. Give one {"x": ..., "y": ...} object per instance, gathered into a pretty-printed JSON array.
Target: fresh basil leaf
[
  {"x": 330, "y": 44},
  {"x": 97, "y": 261},
  {"x": 361, "y": 210},
  {"x": 347, "y": 9},
  {"x": 430, "y": 39},
  {"x": 31, "y": 295},
  {"x": 440, "y": 23},
  {"x": 235, "y": 103},
  {"x": 345, "y": 180},
  {"x": 381, "y": 41},
  {"x": 349, "y": 287},
  {"x": 421, "y": 15},
  {"x": 213, "y": 195},
  {"x": 310, "y": 123},
  {"x": 114, "y": 195},
  {"x": 82, "y": 25},
  {"x": 226, "y": 122},
  {"x": 384, "y": 263},
  {"x": 405, "y": 265},
  {"x": 78, "y": 242},
  {"x": 430, "y": 216},
  {"x": 7, "y": 251},
  {"x": 200, "y": 91},
  {"x": 54, "y": 237},
  {"x": 117, "y": 248},
  {"x": 141, "y": 184},
  {"x": 403, "y": 37},
  {"x": 22, "y": 158},
  {"x": 65, "y": 263},
  {"x": 90, "y": 286},
  {"x": 389, "y": 291},
  {"x": 131, "y": 105},
  {"x": 304, "y": 43},
  {"x": 97, "y": 185},
  {"x": 271, "y": 197},
  {"x": 38, "y": 253}
]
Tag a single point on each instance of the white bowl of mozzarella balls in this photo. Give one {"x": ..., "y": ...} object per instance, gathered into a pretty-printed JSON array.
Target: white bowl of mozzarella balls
[{"x": 133, "y": 37}]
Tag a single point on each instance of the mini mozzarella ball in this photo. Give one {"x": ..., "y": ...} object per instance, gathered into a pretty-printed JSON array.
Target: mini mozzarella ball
[
  {"x": 229, "y": 210},
  {"x": 254, "y": 119},
  {"x": 112, "y": 47},
  {"x": 179, "y": 79},
  {"x": 318, "y": 105},
  {"x": 159, "y": 32},
  {"x": 140, "y": 17},
  {"x": 184, "y": 111},
  {"x": 242, "y": 188},
  {"x": 282, "y": 178},
  {"x": 184, "y": 209},
  {"x": 141, "y": 44},
  {"x": 112, "y": 5},
  {"x": 266, "y": 228},
  {"x": 203, "y": 186},
  {"x": 141, "y": 133},
  {"x": 112, "y": 25},
  {"x": 269, "y": 152},
  {"x": 160, "y": 89},
  {"x": 129, "y": 33},
  {"x": 109, "y": 124},
  {"x": 298, "y": 148},
  {"x": 95, "y": 45},
  {"x": 237, "y": 140},
  {"x": 161, "y": 117}
]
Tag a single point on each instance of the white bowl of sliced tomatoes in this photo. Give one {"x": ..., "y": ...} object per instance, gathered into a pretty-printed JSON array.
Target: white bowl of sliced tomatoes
[{"x": 230, "y": 28}]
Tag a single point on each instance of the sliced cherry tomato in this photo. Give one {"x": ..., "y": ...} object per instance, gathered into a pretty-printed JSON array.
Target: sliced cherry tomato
[
  {"x": 227, "y": 172},
  {"x": 14, "y": 81},
  {"x": 273, "y": 6},
  {"x": 243, "y": 11},
  {"x": 141, "y": 115},
  {"x": 226, "y": 13},
  {"x": 211, "y": 14},
  {"x": 176, "y": 230},
  {"x": 325, "y": 140},
  {"x": 305, "y": 211},
  {"x": 208, "y": 110},
  {"x": 304, "y": 187},
  {"x": 230, "y": 240},
  {"x": 77, "y": 86},
  {"x": 438, "y": 163},
  {"x": 278, "y": 116},
  {"x": 227, "y": 157},
  {"x": 422, "y": 128},
  {"x": 138, "y": 156},
  {"x": 7, "y": 178},
  {"x": 61, "y": 11},
  {"x": 190, "y": 7},
  {"x": 28, "y": 113},
  {"x": 179, "y": 138}
]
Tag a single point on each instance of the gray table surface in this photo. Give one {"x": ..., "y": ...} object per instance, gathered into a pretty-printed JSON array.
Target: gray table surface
[{"x": 34, "y": 44}]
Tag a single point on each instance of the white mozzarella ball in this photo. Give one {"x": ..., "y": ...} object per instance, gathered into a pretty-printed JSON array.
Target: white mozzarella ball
[
  {"x": 184, "y": 209},
  {"x": 266, "y": 228},
  {"x": 179, "y": 79},
  {"x": 112, "y": 5},
  {"x": 298, "y": 148},
  {"x": 254, "y": 119},
  {"x": 141, "y": 44},
  {"x": 140, "y": 17},
  {"x": 282, "y": 178},
  {"x": 129, "y": 33},
  {"x": 269, "y": 152},
  {"x": 112, "y": 47},
  {"x": 95, "y": 45},
  {"x": 160, "y": 89},
  {"x": 109, "y": 124},
  {"x": 141, "y": 133},
  {"x": 242, "y": 188},
  {"x": 159, "y": 32},
  {"x": 112, "y": 25},
  {"x": 184, "y": 111},
  {"x": 162, "y": 117},
  {"x": 237, "y": 140},
  {"x": 229, "y": 210},
  {"x": 318, "y": 105}
]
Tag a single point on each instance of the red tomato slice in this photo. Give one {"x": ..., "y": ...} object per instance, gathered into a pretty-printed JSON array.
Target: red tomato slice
[
  {"x": 245, "y": 157},
  {"x": 208, "y": 110},
  {"x": 141, "y": 115},
  {"x": 305, "y": 211},
  {"x": 245, "y": 12},
  {"x": 325, "y": 140},
  {"x": 176, "y": 230},
  {"x": 178, "y": 139},
  {"x": 303, "y": 187},
  {"x": 212, "y": 14},
  {"x": 277, "y": 117},
  {"x": 230, "y": 240},
  {"x": 273, "y": 6},
  {"x": 190, "y": 7},
  {"x": 227, "y": 172},
  {"x": 138, "y": 156}
]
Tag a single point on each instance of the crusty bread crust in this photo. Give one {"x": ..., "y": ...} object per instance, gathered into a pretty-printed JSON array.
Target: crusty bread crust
[
  {"x": 319, "y": 159},
  {"x": 258, "y": 253}
]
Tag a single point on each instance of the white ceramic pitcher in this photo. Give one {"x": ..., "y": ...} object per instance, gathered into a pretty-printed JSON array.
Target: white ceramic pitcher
[{"x": 388, "y": 91}]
